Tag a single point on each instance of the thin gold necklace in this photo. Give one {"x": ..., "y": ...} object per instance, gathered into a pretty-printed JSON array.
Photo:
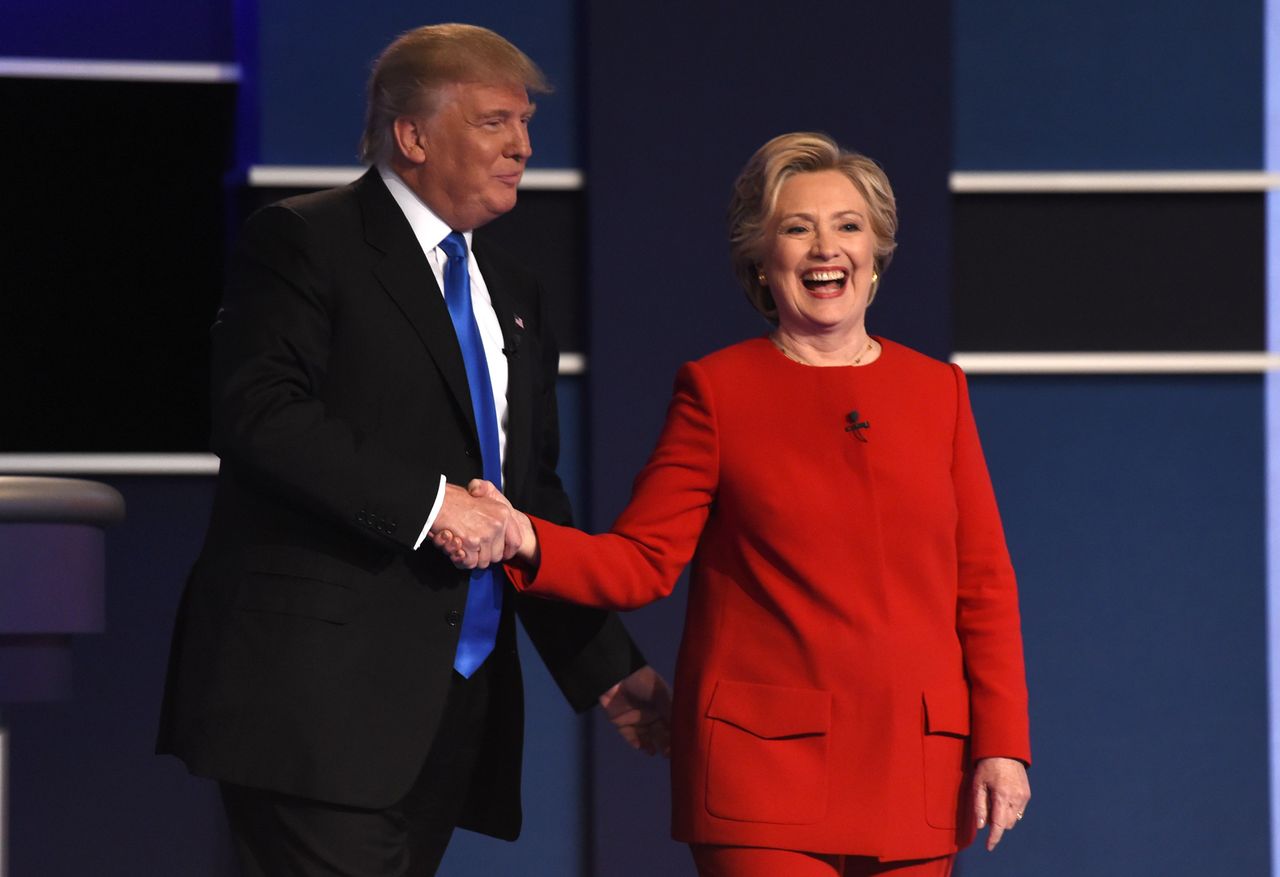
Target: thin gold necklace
[{"x": 857, "y": 360}]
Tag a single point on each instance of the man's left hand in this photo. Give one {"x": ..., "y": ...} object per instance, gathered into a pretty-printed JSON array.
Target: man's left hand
[{"x": 640, "y": 708}]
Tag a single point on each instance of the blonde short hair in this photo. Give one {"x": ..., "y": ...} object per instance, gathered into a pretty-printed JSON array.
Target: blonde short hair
[
  {"x": 410, "y": 73},
  {"x": 755, "y": 193}
]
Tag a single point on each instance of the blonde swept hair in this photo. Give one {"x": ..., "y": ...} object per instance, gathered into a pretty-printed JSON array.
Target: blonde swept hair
[
  {"x": 755, "y": 194},
  {"x": 410, "y": 74}
]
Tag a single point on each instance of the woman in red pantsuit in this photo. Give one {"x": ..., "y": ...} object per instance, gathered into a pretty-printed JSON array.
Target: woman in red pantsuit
[{"x": 850, "y": 695}]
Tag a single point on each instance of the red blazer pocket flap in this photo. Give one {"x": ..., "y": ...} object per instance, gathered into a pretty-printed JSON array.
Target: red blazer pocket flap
[
  {"x": 771, "y": 711},
  {"x": 946, "y": 710}
]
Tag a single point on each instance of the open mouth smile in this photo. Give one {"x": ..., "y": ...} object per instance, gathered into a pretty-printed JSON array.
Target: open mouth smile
[{"x": 825, "y": 281}]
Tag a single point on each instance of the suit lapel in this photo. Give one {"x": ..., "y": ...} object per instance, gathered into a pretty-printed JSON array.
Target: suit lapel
[
  {"x": 519, "y": 374},
  {"x": 407, "y": 277}
]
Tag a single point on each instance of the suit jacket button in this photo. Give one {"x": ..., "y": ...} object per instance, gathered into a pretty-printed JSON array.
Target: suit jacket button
[
  {"x": 453, "y": 617},
  {"x": 470, "y": 453},
  {"x": 393, "y": 527}
]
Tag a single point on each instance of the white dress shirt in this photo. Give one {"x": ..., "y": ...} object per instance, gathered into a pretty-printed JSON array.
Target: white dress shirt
[{"x": 430, "y": 230}]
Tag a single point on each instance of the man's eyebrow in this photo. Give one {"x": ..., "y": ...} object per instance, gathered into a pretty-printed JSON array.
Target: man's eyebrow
[{"x": 504, "y": 113}]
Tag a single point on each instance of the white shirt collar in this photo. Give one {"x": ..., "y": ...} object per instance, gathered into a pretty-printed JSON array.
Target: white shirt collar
[{"x": 427, "y": 227}]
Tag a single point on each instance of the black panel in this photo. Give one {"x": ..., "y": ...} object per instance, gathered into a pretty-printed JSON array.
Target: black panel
[
  {"x": 544, "y": 234},
  {"x": 1109, "y": 272},
  {"x": 110, "y": 262}
]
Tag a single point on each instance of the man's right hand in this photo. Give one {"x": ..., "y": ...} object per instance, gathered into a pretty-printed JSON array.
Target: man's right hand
[{"x": 483, "y": 528}]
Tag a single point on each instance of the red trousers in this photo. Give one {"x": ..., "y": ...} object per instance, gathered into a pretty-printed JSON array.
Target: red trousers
[{"x": 717, "y": 861}]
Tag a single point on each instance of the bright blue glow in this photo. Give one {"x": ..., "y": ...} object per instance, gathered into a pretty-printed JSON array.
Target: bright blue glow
[{"x": 1271, "y": 148}]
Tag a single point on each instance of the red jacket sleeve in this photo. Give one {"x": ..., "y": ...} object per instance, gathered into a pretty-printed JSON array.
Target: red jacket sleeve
[
  {"x": 641, "y": 557},
  {"x": 987, "y": 618}
]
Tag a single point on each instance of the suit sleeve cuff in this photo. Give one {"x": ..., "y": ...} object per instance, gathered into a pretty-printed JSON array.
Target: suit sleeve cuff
[{"x": 606, "y": 660}]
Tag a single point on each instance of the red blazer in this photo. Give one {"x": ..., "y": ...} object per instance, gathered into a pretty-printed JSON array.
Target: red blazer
[{"x": 852, "y": 641}]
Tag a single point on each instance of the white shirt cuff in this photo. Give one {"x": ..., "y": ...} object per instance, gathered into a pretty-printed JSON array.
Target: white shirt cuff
[{"x": 431, "y": 518}]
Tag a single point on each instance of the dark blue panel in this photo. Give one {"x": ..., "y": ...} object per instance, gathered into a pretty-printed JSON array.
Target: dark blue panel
[
  {"x": 554, "y": 833},
  {"x": 1134, "y": 509},
  {"x": 84, "y": 768},
  {"x": 680, "y": 94},
  {"x": 87, "y": 763},
  {"x": 570, "y": 395},
  {"x": 554, "y": 836},
  {"x": 1099, "y": 84},
  {"x": 315, "y": 59},
  {"x": 144, "y": 30}
]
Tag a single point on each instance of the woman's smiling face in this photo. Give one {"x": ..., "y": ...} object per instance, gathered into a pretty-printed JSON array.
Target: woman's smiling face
[{"x": 819, "y": 255}]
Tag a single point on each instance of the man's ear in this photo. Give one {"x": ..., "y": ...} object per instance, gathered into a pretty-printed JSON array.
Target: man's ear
[{"x": 411, "y": 138}]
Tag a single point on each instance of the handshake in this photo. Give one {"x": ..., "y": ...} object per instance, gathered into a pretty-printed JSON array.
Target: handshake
[{"x": 478, "y": 526}]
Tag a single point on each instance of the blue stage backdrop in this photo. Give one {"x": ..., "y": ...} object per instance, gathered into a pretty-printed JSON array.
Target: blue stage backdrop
[
  {"x": 313, "y": 60},
  {"x": 1101, "y": 85},
  {"x": 1134, "y": 506},
  {"x": 132, "y": 30}
]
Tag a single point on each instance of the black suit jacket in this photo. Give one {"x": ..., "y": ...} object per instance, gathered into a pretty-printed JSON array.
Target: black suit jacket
[{"x": 314, "y": 646}]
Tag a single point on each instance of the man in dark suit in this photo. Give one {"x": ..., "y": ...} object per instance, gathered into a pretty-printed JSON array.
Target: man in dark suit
[{"x": 356, "y": 697}]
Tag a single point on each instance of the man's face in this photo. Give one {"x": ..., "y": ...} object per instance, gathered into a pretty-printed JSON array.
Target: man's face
[{"x": 476, "y": 144}]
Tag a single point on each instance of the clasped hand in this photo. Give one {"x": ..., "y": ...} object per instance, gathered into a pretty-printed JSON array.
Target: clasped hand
[
  {"x": 481, "y": 528},
  {"x": 478, "y": 527}
]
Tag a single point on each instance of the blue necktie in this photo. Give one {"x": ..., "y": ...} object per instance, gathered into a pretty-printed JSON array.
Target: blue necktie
[{"x": 484, "y": 597}]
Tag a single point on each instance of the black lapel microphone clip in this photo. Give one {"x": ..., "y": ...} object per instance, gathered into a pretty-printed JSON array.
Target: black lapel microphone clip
[{"x": 855, "y": 426}]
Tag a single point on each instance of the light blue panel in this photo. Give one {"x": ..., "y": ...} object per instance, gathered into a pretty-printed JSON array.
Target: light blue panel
[
  {"x": 554, "y": 840},
  {"x": 1134, "y": 509},
  {"x": 314, "y": 59},
  {"x": 1108, "y": 84}
]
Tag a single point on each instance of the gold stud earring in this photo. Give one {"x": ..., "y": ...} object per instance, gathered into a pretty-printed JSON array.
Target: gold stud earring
[
  {"x": 761, "y": 279},
  {"x": 875, "y": 278}
]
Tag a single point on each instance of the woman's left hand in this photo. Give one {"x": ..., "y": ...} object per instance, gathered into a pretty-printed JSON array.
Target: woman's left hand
[{"x": 1000, "y": 795}]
